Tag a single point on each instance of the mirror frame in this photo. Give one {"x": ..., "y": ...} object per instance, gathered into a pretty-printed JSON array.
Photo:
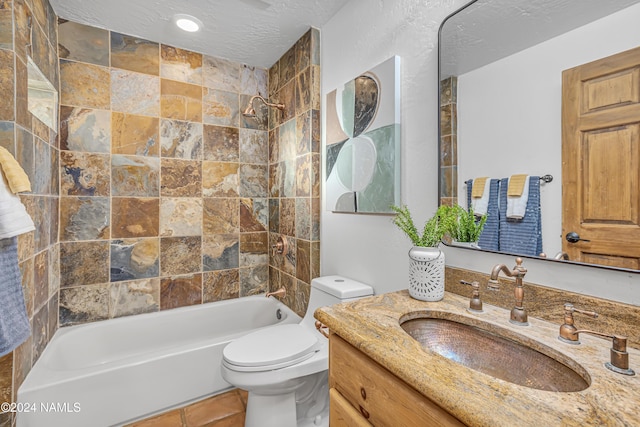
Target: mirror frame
[{"x": 440, "y": 183}]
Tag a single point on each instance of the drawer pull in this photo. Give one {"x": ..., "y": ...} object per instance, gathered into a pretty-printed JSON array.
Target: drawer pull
[
  {"x": 364, "y": 412},
  {"x": 363, "y": 393}
]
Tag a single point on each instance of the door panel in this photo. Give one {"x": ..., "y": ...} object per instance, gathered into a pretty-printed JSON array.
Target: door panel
[{"x": 601, "y": 160}]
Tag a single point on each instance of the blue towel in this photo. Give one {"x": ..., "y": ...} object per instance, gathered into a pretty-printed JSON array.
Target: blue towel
[
  {"x": 524, "y": 236},
  {"x": 489, "y": 238},
  {"x": 14, "y": 324}
]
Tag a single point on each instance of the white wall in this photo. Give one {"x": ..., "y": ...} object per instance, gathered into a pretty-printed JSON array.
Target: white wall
[
  {"x": 368, "y": 247},
  {"x": 516, "y": 102}
]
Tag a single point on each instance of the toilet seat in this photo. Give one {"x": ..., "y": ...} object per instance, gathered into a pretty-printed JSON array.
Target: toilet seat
[{"x": 271, "y": 348}]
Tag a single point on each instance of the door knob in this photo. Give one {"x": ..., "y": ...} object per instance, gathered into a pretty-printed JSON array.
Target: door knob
[{"x": 573, "y": 237}]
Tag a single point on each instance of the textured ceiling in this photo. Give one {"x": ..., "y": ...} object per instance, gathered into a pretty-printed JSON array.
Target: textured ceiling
[
  {"x": 255, "y": 32},
  {"x": 489, "y": 30}
]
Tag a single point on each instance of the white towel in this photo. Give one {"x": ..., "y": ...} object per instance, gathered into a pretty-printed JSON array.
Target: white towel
[
  {"x": 14, "y": 218},
  {"x": 517, "y": 205},
  {"x": 480, "y": 205}
]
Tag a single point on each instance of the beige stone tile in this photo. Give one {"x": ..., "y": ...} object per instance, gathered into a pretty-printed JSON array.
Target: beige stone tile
[
  {"x": 133, "y": 134},
  {"x": 180, "y": 101},
  {"x": 84, "y": 85},
  {"x": 179, "y": 64},
  {"x": 134, "y": 54}
]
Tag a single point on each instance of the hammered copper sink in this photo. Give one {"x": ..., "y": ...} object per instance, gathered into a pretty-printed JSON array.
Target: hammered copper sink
[{"x": 495, "y": 351}]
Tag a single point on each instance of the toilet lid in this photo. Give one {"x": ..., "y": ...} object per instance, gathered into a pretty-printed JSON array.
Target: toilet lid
[{"x": 281, "y": 345}]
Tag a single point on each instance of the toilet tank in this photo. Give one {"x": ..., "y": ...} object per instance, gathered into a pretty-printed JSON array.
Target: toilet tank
[{"x": 329, "y": 290}]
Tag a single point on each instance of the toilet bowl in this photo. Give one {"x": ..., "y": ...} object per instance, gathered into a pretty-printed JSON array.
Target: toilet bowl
[{"x": 285, "y": 367}]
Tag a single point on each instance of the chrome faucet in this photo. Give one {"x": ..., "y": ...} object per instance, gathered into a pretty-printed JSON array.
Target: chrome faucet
[
  {"x": 619, "y": 357},
  {"x": 518, "y": 313}
]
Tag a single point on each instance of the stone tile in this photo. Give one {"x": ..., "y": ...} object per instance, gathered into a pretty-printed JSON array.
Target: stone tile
[
  {"x": 274, "y": 215},
  {"x": 275, "y": 179},
  {"x": 254, "y": 146},
  {"x": 303, "y": 261},
  {"x": 84, "y": 218},
  {"x": 84, "y": 129},
  {"x": 220, "y": 107},
  {"x": 303, "y": 218},
  {"x": 83, "y": 43},
  {"x": 220, "y": 285},
  {"x": 274, "y": 145},
  {"x": 287, "y": 66},
  {"x": 288, "y": 140},
  {"x": 134, "y": 54},
  {"x": 213, "y": 409},
  {"x": 42, "y": 220},
  {"x": 134, "y": 217},
  {"x": 22, "y": 362},
  {"x": 254, "y": 180},
  {"x": 181, "y": 139},
  {"x": 254, "y": 280},
  {"x": 303, "y": 133},
  {"x": 288, "y": 178},
  {"x": 40, "y": 50},
  {"x": 84, "y": 304},
  {"x": 7, "y": 94},
  {"x": 135, "y": 93},
  {"x": 316, "y": 98},
  {"x": 6, "y": 25},
  {"x": 177, "y": 255},
  {"x": 40, "y": 280},
  {"x": 84, "y": 174},
  {"x": 220, "y": 179},
  {"x": 287, "y": 96},
  {"x": 303, "y": 91},
  {"x": 219, "y": 73},
  {"x": 134, "y": 297},
  {"x": 39, "y": 11},
  {"x": 254, "y": 249},
  {"x": 289, "y": 260},
  {"x": 134, "y": 259},
  {"x": 288, "y": 217},
  {"x": 135, "y": 176},
  {"x": 41, "y": 184},
  {"x": 221, "y": 216},
  {"x": 21, "y": 18},
  {"x": 180, "y": 291},
  {"x": 448, "y": 150},
  {"x": 303, "y": 52},
  {"x": 181, "y": 216},
  {"x": 261, "y": 119},
  {"x": 84, "y": 85},
  {"x": 301, "y": 303},
  {"x": 54, "y": 269},
  {"x": 254, "y": 215},
  {"x": 274, "y": 79},
  {"x": 179, "y": 64},
  {"x": 253, "y": 81},
  {"x": 22, "y": 114},
  {"x": 181, "y": 178},
  {"x": 316, "y": 207},
  {"x": 303, "y": 176},
  {"x": 446, "y": 119},
  {"x": 132, "y": 134},
  {"x": 315, "y": 46},
  {"x": 39, "y": 331},
  {"x": 84, "y": 263},
  {"x": 315, "y": 131},
  {"x": 7, "y": 138},
  {"x": 180, "y": 101},
  {"x": 221, "y": 143},
  {"x": 220, "y": 252}
]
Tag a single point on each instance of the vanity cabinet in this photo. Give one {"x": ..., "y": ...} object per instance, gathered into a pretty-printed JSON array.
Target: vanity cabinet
[{"x": 364, "y": 393}]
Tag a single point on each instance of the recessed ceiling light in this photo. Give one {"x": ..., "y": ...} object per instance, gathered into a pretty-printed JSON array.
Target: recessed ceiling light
[{"x": 187, "y": 22}]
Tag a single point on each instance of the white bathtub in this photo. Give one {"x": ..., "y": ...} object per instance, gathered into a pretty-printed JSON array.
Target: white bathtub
[{"x": 112, "y": 372}]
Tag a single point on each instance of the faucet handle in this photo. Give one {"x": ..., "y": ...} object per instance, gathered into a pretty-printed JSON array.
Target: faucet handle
[
  {"x": 619, "y": 359},
  {"x": 567, "y": 329},
  {"x": 475, "y": 304}
]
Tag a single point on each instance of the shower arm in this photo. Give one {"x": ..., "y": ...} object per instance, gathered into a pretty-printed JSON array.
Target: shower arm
[{"x": 267, "y": 103}]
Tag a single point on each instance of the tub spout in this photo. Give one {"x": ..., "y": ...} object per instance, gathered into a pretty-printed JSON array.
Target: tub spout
[{"x": 279, "y": 293}]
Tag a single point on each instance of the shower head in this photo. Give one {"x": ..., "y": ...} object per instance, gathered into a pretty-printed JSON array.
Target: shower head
[{"x": 251, "y": 112}]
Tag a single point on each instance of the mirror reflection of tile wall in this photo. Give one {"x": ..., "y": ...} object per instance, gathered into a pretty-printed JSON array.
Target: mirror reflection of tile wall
[{"x": 448, "y": 142}]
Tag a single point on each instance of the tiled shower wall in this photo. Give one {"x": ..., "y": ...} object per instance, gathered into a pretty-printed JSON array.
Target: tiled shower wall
[
  {"x": 165, "y": 186},
  {"x": 28, "y": 29},
  {"x": 294, "y": 170},
  {"x": 448, "y": 142}
]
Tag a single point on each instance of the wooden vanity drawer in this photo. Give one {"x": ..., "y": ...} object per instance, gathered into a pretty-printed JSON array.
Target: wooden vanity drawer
[
  {"x": 382, "y": 398},
  {"x": 342, "y": 413}
]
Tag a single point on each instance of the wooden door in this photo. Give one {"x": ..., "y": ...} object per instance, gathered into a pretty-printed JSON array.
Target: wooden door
[{"x": 601, "y": 160}]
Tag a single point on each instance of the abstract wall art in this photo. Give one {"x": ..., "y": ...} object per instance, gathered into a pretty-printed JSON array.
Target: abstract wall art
[{"x": 363, "y": 142}]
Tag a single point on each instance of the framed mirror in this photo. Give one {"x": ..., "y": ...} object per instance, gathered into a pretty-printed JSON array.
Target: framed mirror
[{"x": 501, "y": 66}]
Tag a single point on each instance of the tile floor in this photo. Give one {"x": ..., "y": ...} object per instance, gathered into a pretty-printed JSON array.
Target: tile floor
[{"x": 223, "y": 410}]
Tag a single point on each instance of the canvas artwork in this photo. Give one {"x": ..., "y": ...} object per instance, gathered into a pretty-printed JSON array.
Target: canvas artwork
[{"x": 363, "y": 142}]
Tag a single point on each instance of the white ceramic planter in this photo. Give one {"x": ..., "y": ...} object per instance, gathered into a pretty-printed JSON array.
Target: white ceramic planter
[{"x": 426, "y": 273}]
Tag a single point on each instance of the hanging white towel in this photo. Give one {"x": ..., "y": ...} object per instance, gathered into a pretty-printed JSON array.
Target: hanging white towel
[
  {"x": 14, "y": 218},
  {"x": 517, "y": 205},
  {"x": 480, "y": 204}
]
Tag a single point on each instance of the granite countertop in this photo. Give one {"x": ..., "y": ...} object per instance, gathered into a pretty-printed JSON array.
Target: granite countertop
[{"x": 372, "y": 325}]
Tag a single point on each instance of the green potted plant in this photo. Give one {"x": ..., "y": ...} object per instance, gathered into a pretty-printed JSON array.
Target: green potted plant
[
  {"x": 426, "y": 260},
  {"x": 464, "y": 226}
]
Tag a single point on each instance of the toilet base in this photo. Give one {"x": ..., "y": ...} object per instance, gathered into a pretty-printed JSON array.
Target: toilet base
[{"x": 271, "y": 411}]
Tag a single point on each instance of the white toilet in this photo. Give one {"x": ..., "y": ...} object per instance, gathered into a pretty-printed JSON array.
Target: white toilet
[{"x": 285, "y": 367}]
